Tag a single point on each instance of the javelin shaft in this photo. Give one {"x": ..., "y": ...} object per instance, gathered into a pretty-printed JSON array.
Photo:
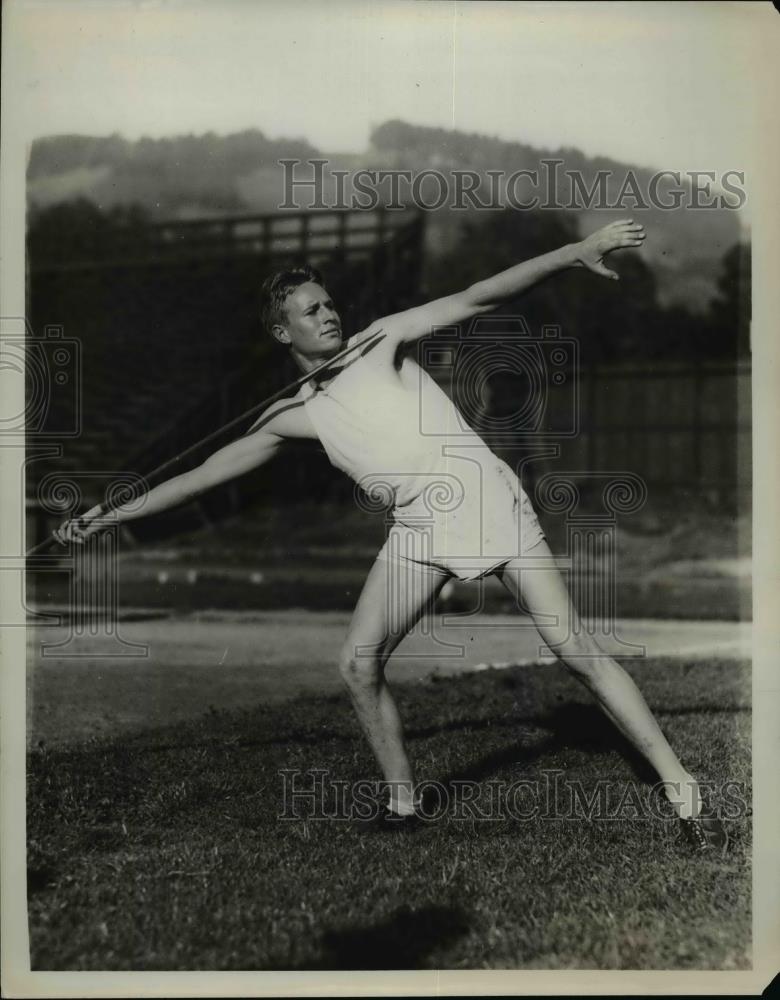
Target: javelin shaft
[{"x": 123, "y": 497}]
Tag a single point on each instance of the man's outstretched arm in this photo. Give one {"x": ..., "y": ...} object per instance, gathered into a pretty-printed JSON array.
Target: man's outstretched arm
[
  {"x": 233, "y": 460},
  {"x": 484, "y": 296}
]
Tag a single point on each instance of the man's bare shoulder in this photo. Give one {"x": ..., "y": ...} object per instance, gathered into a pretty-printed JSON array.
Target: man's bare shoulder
[
  {"x": 379, "y": 341},
  {"x": 287, "y": 418},
  {"x": 364, "y": 338}
]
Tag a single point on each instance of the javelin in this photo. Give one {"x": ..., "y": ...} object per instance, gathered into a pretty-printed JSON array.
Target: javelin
[{"x": 129, "y": 493}]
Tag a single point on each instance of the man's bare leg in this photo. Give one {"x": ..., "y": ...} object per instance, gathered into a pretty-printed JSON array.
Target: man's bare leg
[
  {"x": 393, "y": 599},
  {"x": 543, "y": 593}
]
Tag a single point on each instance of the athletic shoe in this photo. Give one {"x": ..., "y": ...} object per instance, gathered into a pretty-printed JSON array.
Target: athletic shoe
[{"x": 705, "y": 833}]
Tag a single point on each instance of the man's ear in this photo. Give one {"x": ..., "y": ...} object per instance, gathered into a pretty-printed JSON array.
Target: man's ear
[{"x": 279, "y": 333}]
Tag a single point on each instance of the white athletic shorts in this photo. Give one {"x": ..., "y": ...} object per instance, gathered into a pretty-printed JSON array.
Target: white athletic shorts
[{"x": 465, "y": 525}]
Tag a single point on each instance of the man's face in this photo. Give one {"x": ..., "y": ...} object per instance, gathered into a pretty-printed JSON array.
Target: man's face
[{"x": 311, "y": 325}]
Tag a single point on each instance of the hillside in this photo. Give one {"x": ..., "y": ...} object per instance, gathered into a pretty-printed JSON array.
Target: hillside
[
  {"x": 174, "y": 177},
  {"x": 190, "y": 176},
  {"x": 685, "y": 247}
]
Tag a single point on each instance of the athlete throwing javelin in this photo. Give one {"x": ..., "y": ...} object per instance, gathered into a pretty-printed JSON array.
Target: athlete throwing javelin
[{"x": 458, "y": 510}]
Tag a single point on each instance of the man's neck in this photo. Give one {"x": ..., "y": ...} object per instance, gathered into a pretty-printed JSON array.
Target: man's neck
[{"x": 308, "y": 364}]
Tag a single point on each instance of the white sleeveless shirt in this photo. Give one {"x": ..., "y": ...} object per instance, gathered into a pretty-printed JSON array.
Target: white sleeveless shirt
[
  {"x": 455, "y": 504},
  {"x": 394, "y": 432}
]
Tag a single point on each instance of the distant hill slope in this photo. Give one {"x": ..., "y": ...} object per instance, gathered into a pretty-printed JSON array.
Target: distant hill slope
[
  {"x": 685, "y": 247},
  {"x": 174, "y": 177},
  {"x": 189, "y": 176}
]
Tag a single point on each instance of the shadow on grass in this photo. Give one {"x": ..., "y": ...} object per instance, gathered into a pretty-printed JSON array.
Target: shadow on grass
[
  {"x": 583, "y": 727},
  {"x": 401, "y": 941}
]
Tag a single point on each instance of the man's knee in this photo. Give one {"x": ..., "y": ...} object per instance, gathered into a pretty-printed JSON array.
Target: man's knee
[
  {"x": 360, "y": 669},
  {"x": 581, "y": 654}
]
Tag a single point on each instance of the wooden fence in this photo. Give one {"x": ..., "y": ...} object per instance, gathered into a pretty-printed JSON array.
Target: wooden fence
[
  {"x": 315, "y": 237},
  {"x": 680, "y": 426}
]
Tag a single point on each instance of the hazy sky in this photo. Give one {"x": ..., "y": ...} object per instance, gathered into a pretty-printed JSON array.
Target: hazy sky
[{"x": 667, "y": 84}]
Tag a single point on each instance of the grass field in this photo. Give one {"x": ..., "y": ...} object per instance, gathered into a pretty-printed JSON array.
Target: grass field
[{"x": 165, "y": 850}]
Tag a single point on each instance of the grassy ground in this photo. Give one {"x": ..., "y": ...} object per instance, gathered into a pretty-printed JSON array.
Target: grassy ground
[{"x": 165, "y": 850}]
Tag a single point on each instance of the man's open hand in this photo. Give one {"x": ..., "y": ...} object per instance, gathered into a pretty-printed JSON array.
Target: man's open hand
[
  {"x": 79, "y": 529},
  {"x": 616, "y": 236}
]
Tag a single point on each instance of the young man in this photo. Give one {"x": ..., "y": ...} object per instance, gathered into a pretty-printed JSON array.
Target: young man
[{"x": 458, "y": 510}]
